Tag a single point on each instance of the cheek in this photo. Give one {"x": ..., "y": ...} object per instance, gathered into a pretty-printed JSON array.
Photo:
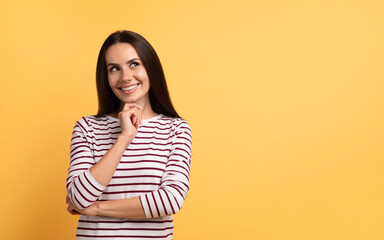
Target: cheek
[
  {"x": 112, "y": 80},
  {"x": 142, "y": 75}
]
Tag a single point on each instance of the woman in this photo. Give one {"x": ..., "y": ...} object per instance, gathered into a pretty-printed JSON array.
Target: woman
[{"x": 130, "y": 164}]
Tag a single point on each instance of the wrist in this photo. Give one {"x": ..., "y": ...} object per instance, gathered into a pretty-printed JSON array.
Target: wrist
[
  {"x": 97, "y": 208},
  {"x": 124, "y": 139}
]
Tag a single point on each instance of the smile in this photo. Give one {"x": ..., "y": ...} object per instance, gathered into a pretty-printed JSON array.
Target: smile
[{"x": 130, "y": 88}]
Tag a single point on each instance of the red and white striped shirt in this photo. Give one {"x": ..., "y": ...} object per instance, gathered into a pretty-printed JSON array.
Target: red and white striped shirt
[{"x": 155, "y": 166}]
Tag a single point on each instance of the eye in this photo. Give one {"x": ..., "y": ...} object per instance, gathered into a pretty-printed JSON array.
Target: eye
[
  {"x": 134, "y": 64},
  {"x": 114, "y": 69}
]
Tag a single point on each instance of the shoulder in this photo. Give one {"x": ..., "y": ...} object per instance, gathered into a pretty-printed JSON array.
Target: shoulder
[
  {"x": 180, "y": 131},
  {"x": 168, "y": 124},
  {"x": 176, "y": 124},
  {"x": 179, "y": 127},
  {"x": 88, "y": 123}
]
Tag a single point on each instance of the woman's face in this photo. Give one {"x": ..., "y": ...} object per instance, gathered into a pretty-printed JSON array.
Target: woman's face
[{"x": 127, "y": 76}]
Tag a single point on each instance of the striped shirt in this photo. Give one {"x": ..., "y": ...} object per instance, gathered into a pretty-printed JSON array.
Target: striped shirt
[{"x": 155, "y": 166}]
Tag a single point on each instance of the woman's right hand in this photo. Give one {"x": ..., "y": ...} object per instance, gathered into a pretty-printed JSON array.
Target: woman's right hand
[{"x": 130, "y": 120}]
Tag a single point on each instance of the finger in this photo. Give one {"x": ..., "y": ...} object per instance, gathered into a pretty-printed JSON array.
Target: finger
[
  {"x": 134, "y": 105},
  {"x": 131, "y": 105},
  {"x": 74, "y": 212},
  {"x": 137, "y": 117},
  {"x": 69, "y": 209},
  {"x": 134, "y": 118},
  {"x": 125, "y": 107},
  {"x": 124, "y": 116},
  {"x": 139, "y": 120}
]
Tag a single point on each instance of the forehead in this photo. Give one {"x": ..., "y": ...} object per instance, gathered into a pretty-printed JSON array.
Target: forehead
[{"x": 120, "y": 53}]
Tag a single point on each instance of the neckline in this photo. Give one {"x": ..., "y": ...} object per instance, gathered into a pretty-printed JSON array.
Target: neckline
[{"x": 144, "y": 120}]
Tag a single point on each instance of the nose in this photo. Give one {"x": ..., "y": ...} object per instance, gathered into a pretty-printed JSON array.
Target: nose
[{"x": 126, "y": 75}]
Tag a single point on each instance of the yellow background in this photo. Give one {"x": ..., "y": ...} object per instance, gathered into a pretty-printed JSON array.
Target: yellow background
[{"x": 285, "y": 99}]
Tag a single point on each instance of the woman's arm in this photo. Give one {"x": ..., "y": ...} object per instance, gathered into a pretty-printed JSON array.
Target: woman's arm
[
  {"x": 86, "y": 184},
  {"x": 121, "y": 208},
  {"x": 165, "y": 201},
  {"x": 130, "y": 119}
]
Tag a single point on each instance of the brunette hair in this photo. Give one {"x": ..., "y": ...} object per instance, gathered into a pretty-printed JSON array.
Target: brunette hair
[{"x": 158, "y": 92}]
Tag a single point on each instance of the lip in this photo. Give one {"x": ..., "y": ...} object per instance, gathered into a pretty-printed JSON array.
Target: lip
[{"x": 128, "y": 86}]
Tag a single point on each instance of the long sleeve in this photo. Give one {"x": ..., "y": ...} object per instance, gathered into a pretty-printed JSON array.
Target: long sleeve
[
  {"x": 169, "y": 198},
  {"x": 82, "y": 188}
]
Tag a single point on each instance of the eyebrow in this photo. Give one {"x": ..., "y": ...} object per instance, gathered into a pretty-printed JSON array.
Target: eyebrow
[{"x": 128, "y": 62}]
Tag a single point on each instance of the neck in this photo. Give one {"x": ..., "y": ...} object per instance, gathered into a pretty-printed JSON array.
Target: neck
[{"x": 147, "y": 111}]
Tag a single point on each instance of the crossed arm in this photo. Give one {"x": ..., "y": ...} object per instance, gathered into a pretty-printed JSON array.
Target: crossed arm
[
  {"x": 121, "y": 208},
  {"x": 103, "y": 170},
  {"x": 173, "y": 189}
]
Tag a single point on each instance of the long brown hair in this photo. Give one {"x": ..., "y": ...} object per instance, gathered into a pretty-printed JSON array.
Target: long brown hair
[{"x": 158, "y": 92}]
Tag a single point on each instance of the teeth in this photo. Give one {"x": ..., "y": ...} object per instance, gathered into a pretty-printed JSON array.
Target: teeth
[{"x": 129, "y": 88}]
